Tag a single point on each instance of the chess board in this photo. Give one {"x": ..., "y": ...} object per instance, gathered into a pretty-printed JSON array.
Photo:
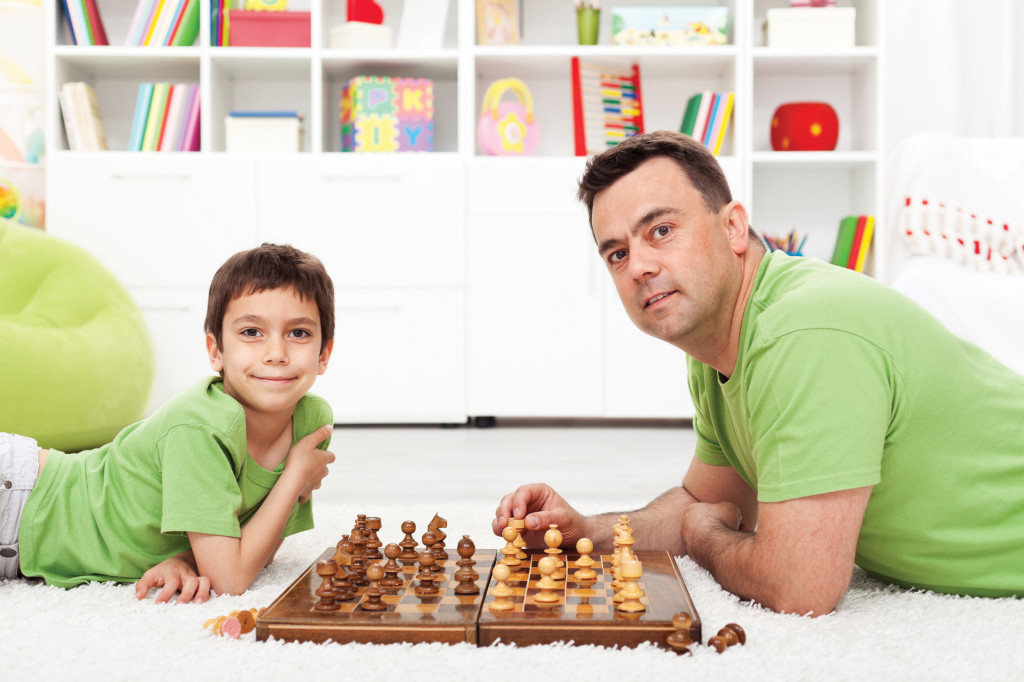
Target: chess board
[
  {"x": 584, "y": 613},
  {"x": 444, "y": 617}
]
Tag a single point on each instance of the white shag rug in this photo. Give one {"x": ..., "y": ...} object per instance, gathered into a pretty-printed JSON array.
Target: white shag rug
[{"x": 879, "y": 632}]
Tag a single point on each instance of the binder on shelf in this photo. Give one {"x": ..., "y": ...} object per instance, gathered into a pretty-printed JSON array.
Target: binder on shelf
[{"x": 142, "y": 103}]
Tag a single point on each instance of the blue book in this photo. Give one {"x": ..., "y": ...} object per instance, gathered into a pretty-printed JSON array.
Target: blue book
[
  {"x": 71, "y": 28},
  {"x": 141, "y": 114}
]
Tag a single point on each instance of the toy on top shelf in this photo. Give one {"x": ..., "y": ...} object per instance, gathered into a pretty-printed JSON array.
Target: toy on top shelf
[
  {"x": 497, "y": 22},
  {"x": 380, "y": 114},
  {"x": 507, "y": 128},
  {"x": 607, "y": 106},
  {"x": 670, "y": 25},
  {"x": 364, "y": 30},
  {"x": 588, "y": 21}
]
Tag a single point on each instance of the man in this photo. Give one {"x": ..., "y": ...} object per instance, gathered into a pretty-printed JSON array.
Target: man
[{"x": 837, "y": 421}]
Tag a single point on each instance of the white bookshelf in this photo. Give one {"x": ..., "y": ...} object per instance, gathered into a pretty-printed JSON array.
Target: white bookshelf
[{"x": 497, "y": 248}]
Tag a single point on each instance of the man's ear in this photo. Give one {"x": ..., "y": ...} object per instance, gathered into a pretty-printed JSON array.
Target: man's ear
[
  {"x": 325, "y": 355},
  {"x": 737, "y": 226},
  {"x": 216, "y": 362}
]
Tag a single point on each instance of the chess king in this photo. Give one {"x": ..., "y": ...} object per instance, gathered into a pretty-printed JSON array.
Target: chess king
[{"x": 830, "y": 414}]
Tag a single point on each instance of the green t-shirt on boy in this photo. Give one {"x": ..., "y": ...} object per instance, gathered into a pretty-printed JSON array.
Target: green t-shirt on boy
[
  {"x": 114, "y": 512},
  {"x": 828, "y": 394}
]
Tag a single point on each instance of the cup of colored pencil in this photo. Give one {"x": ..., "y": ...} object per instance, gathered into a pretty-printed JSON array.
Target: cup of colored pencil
[
  {"x": 792, "y": 244},
  {"x": 588, "y": 20}
]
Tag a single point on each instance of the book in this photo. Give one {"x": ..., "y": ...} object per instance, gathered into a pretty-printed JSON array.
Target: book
[
  {"x": 76, "y": 20},
  {"x": 163, "y": 22},
  {"x": 865, "y": 243},
  {"x": 690, "y": 115},
  {"x": 67, "y": 111},
  {"x": 700, "y": 123},
  {"x": 147, "y": 34},
  {"x": 188, "y": 29},
  {"x": 724, "y": 121},
  {"x": 712, "y": 115},
  {"x": 96, "y": 23},
  {"x": 858, "y": 238},
  {"x": 154, "y": 121},
  {"x": 176, "y": 99},
  {"x": 139, "y": 18},
  {"x": 163, "y": 123},
  {"x": 82, "y": 119},
  {"x": 190, "y": 141},
  {"x": 142, "y": 101},
  {"x": 844, "y": 241}
]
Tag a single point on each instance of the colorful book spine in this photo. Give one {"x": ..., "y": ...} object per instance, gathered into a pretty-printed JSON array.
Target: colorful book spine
[
  {"x": 690, "y": 115},
  {"x": 172, "y": 121},
  {"x": 142, "y": 11},
  {"x": 154, "y": 122},
  {"x": 724, "y": 119},
  {"x": 92, "y": 13},
  {"x": 716, "y": 101},
  {"x": 865, "y": 243},
  {"x": 701, "y": 121},
  {"x": 188, "y": 29},
  {"x": 142, "y": 103},
  {"x": 844, "y": 241},
  {"x": 858, "y": 237},
  {"x": 190, "y": 143}
]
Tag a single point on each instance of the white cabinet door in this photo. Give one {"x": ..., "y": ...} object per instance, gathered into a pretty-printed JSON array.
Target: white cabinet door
[
  {"x": 399, "y": 356},
  {"x": 376, "y": 220},
  {"x": 644, "y": 377},
  {"x": 156, "y": 220},
  {"x": 535, "y": 333},
  {"x": 175, "y": 320}
]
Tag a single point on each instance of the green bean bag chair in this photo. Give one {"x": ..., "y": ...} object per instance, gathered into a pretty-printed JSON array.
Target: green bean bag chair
[{"x": 76, "y": 362}]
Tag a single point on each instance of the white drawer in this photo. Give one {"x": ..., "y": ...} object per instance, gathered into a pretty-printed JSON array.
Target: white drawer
[{"x": 530, "y": 185}]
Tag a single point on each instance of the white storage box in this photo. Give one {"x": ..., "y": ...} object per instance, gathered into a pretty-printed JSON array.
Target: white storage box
[
  {"x": 263, "y": 134},
  {"x": 359, "y": 35},
  {"x": 811, "y": 28}
]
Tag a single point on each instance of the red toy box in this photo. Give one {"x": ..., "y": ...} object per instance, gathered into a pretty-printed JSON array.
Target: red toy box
[{"x": 268, "y": 29}]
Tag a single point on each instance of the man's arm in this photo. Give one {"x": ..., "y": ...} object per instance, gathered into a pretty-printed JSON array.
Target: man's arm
[
  {"x": 657, "y": 526},
  {"x": 233, "y": 563},
  {"x": 800, "y": 558}
]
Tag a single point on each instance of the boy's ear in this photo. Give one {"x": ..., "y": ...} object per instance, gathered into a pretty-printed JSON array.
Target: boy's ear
[
  {"x": 216, "y": 362},
  {"x": 325, "y": 355}
]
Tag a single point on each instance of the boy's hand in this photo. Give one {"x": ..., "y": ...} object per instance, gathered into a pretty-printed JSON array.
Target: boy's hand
[
  {"x": 175, "y": 574},
  {"x": 308, "y": 463}
]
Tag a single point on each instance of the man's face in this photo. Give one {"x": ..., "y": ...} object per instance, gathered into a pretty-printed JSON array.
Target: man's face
[
  {"x": 270, "y": 350},
  {"x": 671, "y": 261}
]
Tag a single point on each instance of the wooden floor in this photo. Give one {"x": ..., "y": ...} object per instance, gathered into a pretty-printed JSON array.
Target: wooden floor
[{"x": 586, "y": 460}]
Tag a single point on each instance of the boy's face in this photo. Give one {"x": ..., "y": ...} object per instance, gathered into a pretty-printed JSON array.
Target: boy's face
[{"x": 270, "y": 351}]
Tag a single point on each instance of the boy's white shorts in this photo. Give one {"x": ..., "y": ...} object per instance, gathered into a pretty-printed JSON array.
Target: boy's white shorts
[{"x": 19, "y": 468}]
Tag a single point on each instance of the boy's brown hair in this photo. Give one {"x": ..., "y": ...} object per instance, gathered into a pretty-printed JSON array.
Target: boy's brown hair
[{"x": 271, "y": 266}]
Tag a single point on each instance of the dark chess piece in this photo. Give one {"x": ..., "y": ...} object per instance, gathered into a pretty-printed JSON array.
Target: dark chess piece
[
  {"x": 435, "y": 526},
  {"x": 392, "y": 567},
  {"x": 680, "y": 638},
  {"x": 359, "y": 562},
  {"x": 326, "y": 568},
  {"x": 343, "y": 557},
  {"x": 373, "y": 601},
  {"x": 408, "y": 545},
  {"x": 728, "y": 636},
  {"x": 373, "y": 543},
  {"x": 426, "y": 575},
  {"x": 466, "y": 575}
]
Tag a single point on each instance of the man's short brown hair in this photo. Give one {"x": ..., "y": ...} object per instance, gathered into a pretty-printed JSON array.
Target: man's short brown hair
[
  {"x": 700, "y": 166},
  {"x": 271, "y": 266}
]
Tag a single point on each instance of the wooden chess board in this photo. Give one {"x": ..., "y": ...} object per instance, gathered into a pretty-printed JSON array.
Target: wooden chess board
[{"x": 584, "y": 614}]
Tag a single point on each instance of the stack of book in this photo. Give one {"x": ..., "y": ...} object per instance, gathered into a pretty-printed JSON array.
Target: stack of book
[
  {"x": 84, "y": 21},
  {"x": 219, "y": 20},
  {"x": 82, "y": 120},
  {"x": 163, "y": 22},
  {"x": 853, "y": 242},
  {"x": 166, "y": 118},
  {"x": 263, "y": 132},
  {"x": 707, "y": 118}
]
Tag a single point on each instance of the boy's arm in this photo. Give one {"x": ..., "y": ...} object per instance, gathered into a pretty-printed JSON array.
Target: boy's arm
[
  {"x": 233, "y": 563},
  {"x": 176, "y": 574}
]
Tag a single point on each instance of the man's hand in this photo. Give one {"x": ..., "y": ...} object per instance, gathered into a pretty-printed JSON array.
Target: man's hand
[
  {"x": 700, "y": 518},
  {"x": 540, "y": 506},
  {"x": 177, "y": 574},
  {"x": 307, "y": 463}
]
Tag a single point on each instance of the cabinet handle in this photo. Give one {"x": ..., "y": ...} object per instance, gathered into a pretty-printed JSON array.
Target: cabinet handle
[
  {"x": 363, "y": 177},
  {"x": 151, "y": 176}
]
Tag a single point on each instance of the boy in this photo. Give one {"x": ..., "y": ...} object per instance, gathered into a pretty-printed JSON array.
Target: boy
[{"x": 210, "y": 483}]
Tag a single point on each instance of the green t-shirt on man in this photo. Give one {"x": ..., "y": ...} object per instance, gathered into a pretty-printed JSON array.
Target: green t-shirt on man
[
  {"x": 842, "y": 382},
  {"x": 112, "y": 513}
]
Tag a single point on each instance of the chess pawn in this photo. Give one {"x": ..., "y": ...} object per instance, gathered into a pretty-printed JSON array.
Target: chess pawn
[
  {"x": 728, "y": 636},
  {"x": 501, "y": 590},
  {"x": 359, "y": 562},
  {"x": 326, "y": 568},
  {"x": 466, "y": 576},
  {"x": 547, "y": 583},
  {"x": 510, "y": 550},
  {"x": 631, "y": 593},
  {"x": 373, "y": 543},
  {"x": 680, "y": 638},
  {"x": 373, "y": 601},
  {"x": 553, "y": 538},
  {"x": 408, "y": 545},
  {"x": 391, "y": 568},
  {"x": 426, "y": 576},
  {"x": 435, "y": 526},
  {"x": 519, "y": 542},
  {"x": 585, "y": 564}
]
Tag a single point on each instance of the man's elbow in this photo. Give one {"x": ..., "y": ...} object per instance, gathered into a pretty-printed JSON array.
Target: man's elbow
[{"x": 806, "y": 602}]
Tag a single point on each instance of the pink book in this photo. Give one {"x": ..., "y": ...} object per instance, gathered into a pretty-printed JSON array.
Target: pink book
[{"x": 190, "y": 142}]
